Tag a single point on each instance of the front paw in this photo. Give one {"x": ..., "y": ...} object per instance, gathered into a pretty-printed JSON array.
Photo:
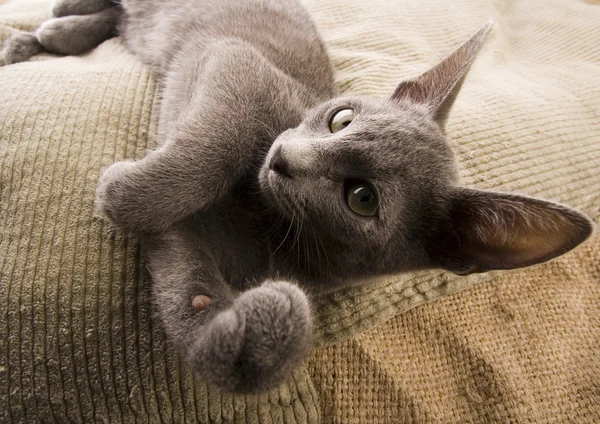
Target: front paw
[
  {"x": 114, "y": 196},
  {"x": 255, "y": 344}
]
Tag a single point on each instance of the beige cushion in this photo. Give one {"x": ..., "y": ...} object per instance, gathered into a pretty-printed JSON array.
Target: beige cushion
[{"x": 78, "y": 339}]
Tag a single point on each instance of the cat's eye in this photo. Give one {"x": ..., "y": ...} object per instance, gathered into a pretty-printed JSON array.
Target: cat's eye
[
  {"x": 341, "y": 119},
  {"x": 362, "y": 199}
]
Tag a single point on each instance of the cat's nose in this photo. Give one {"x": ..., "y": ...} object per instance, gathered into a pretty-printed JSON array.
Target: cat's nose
[{"x": 279, "y": 164}]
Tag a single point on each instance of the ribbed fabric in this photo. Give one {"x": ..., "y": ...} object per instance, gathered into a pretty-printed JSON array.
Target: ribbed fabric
[
  {"x": 523, "y": 348},
  {"x": 78, "y": 341}
]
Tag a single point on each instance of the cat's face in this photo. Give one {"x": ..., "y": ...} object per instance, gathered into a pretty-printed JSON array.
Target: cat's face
[
  {"x": 366, "y": 173},
  {"x": 377, "y": 180}
]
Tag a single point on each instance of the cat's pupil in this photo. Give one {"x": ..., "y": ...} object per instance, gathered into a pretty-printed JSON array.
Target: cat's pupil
[{"x": 362, "y": 200}]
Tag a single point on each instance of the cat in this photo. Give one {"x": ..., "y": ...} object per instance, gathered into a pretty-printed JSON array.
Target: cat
[{"x": 268, "y": 187}]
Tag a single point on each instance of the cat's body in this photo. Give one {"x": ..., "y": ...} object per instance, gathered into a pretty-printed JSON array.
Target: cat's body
[
  {"x": 197, "y": 53},
  {"x": 263, "y": 174}
]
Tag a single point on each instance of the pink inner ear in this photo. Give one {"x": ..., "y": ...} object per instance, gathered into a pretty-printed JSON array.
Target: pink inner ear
[{"x": 513, "y": 232}]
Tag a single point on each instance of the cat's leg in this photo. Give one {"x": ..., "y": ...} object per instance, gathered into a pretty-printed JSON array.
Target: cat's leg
[
  {"x": 76, "y": 34},
  {"x": 79, "y": 7},
  {"x": 247, "y": 343},
  {"x": 167, "y": 185},
  {"x": 70, "y": 35},
  {"x": 225, "y": 131}
]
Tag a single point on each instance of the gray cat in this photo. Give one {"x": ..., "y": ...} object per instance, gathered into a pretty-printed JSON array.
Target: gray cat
[{"x": 266, "y": 180}]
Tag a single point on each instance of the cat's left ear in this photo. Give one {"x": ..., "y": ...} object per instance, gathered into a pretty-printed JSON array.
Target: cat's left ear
[
  {"x": 490, "y": 230},
  {"x": 437, "y": 88}
]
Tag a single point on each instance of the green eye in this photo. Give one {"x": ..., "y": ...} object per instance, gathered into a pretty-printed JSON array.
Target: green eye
[
  {"x": 361, "y": 198},
  {"x": 341, "y": 119}
]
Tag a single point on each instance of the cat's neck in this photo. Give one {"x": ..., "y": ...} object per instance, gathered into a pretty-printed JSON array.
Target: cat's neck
[{"x": 297, "y": 249}]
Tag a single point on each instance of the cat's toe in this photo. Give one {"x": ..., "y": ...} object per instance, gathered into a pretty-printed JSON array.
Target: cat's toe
[
  {"x": 20, "y": 47},
  {"x": 256, "y": 344}
]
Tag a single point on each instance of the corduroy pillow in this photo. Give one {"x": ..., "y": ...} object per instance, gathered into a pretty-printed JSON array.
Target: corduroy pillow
[{"x": 78, "y": 341}]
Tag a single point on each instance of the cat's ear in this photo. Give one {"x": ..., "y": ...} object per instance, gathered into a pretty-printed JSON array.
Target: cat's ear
[
  {"x": 438, "y": 87},
  {"x": 489, "y": 230}
]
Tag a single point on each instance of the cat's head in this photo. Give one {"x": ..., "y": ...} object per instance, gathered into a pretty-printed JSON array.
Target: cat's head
[{"x": 377, "y": 179}]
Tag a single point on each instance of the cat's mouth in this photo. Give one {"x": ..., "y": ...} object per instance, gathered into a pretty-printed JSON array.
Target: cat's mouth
[{"x": 275, "y": 185}]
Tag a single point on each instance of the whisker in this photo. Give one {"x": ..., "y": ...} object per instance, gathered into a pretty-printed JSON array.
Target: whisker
[
  {"x": 315, "y": 239},
  {"x": 271, "y": 132},
  {"x": 307, "y": 253},
  {"x": 291, "y": 248},
  {"x": 324, "y": 250},
  {"x": 299, "y": 231},
  {"x": 286, "y": 235},
  {"x": 275, "y": 227}
]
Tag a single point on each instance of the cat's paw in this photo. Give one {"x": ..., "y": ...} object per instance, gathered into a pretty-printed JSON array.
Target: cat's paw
[
  {"x": 20, "y": 47},
  {"x": 113, "y": 193},
  {"x": 255, "y": 344}
]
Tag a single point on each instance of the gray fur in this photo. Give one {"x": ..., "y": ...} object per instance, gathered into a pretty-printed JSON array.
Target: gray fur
[
  {"x": 80, "y": 7},
  {"x": 76, "y": 34},
  {"x": 246, "y": 192},
  {"x": 79, "y": 26},
  {"x": 20, "y": 47}
]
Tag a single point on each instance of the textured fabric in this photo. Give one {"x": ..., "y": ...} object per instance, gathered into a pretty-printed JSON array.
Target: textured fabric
[
  {"x": 77, "y": 338},
  {"x": 523, "y": 348}
]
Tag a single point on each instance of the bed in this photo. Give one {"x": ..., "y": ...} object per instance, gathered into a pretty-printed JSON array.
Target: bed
[{"x": 78, "y": 339}]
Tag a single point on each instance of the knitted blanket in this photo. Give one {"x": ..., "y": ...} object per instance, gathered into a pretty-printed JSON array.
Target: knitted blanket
[{"x": 78, "y": 339}]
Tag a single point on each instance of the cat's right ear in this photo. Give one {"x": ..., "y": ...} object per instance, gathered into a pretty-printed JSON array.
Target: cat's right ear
[
  {"x": 490, "y": 230},
  {"x": 437, "y": 88}
]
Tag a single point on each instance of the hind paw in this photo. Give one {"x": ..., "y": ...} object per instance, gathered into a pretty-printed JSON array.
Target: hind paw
[{"x": 20, "y": 47}]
